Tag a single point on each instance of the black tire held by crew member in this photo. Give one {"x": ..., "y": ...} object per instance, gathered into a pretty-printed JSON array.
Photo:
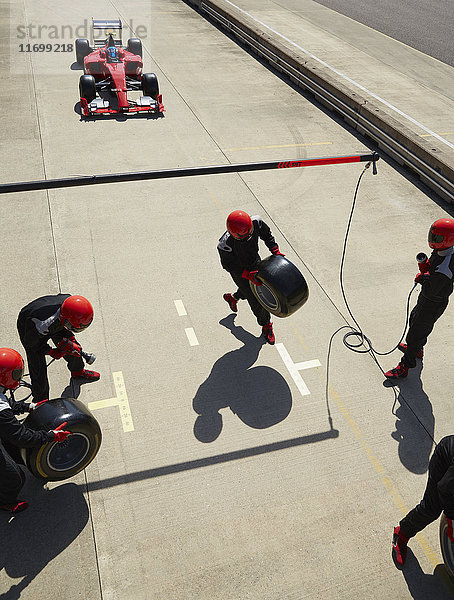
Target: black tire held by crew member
[
  {"x": 447, "y": 547},
  {"x": 83, "y": 49},
  {"x": 284, "y": 289},
  {"x": 135, "y": 46},
  {"x": 150, "y": 85},
  {"x": 56, "y": 461},
  {"x": 87, "y": 87}
]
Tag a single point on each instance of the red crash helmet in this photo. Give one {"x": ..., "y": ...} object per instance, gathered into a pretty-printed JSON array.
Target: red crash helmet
[
  {"x": 76, "y": 313},
  {"x": 239, "y": 224},
  {"x": 11, "y": 368},
  {"x": 441, "y": 234}
]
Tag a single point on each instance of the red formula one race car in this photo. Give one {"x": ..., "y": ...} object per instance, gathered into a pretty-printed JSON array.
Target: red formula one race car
[{"x": 111, "y": 71}]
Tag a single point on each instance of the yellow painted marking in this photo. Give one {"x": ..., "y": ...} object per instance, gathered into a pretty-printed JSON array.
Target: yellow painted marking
[
  {"x": 431, "y": 554},
  {"x": 431, "y": 135},
  {"x": 280, "y": 146},
  {"x": 121, "y": 400}
]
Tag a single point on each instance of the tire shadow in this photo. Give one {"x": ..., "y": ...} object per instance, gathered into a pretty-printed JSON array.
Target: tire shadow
[
  {"x": 258, "y": 396},
  {"x": 422, "y": 586},
  {"x": 33, "y": 538}
]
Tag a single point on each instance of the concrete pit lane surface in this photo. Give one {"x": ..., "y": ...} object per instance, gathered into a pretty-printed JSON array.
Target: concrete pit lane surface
[{"x": 224, "y": 471}]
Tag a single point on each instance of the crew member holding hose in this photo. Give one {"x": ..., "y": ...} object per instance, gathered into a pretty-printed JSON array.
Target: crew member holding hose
[
  {"x": 239, "y": 252},
  {"x": 13, "y": 434},
  {"x": 54, "y": 318},
  {"x": 436, "y": 279}
]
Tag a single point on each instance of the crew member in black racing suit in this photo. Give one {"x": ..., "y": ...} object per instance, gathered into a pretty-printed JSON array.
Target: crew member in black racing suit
[
  {"x": 436, "y": 287},
  {"x": 239, "y": 252},
  {"x": 14, "y": 435},
  {"x": 438, "y": 497},
  {"x": 56, "y": 318}
]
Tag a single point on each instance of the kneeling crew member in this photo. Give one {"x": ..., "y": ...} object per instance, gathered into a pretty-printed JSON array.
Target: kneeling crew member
[
  {"x": 436, "y": 287},
  {"x": 14, "y": 433},
  {"x": 438, "y": 497},
  {"x": 56, "y": 318},
  {"x": 239, "y": 252}
]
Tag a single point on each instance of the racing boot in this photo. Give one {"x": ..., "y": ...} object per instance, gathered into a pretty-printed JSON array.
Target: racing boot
[
  {"x": 399, "y": 551},
  {"x": 16, "y": 507},
  {"x": 89, "y": 376},
  {"x": 231, "y": 301},
  {"x": 268, "y": 333},
  {"x": 400, "y": 371},
  {"x": 403, "y": 347}
]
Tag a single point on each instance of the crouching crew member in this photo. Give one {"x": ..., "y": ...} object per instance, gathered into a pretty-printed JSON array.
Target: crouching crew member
[
  {"x": 54, "y": 318},
  {"x": 239, "y": 252},
  {"x": 13, "y": 434},
  {"x": 438, "y": 497},
  {"x": 436, "y": 287}
]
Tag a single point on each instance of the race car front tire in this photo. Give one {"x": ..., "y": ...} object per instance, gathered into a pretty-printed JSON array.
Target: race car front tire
[
  {"x": 150, "y": 85},
  {"x": 56, "y": 461},
  {"x": 82, "y": 50},
  {"x": 87, "y": 87},
  {"x": 135, "y": 46}
]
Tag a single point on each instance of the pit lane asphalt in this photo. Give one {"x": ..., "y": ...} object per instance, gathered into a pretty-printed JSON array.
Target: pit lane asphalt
[{"x": 279, "y": 502}]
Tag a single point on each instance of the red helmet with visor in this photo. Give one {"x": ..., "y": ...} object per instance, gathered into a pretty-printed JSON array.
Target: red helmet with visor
[
  {"x": 11, "y": 368},
  {"x": 76, "y": 313},
  {"x": 239, "y": 225},
  {"x": 441, "y": 234}
]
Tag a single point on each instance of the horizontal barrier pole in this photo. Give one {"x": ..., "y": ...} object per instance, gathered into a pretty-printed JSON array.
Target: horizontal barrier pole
[{"x": 49, "y": 184}]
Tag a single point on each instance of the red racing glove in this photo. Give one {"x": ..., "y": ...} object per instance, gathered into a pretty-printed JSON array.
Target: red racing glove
[
  {"x": 69, "y": 347},
  {"x": 449, "y": 531},
  {"x": 421, "y": 277},
  {"x": 251, "y": 276},
  {"x": 275, "y": 250},
  {"x": 55, "y": 353},
  {"x": 59, "y": 435}
]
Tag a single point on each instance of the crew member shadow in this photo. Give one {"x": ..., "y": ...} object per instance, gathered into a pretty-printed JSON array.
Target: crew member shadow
[
  {"x": 259, "y": 396},
  {"x": 422, "y": 586},
  {"x": 72, "y": 390},
  {"x": 415, "y": 423},
  {"x": 32, "y": 539}
]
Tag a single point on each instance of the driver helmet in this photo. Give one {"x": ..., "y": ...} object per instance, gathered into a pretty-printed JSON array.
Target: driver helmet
[{"x": 112, "y": 53}]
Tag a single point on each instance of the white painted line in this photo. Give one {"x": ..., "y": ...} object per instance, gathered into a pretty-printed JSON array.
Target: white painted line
[
  {"x": 193, "y": 341},
  {"x": 293, "y": 368},
  {"x": 121, "y": 400},
  {"x": 180, "y": 308},
  {"x": 361, "y": 87},
  {"x": 307, "y": 364}
]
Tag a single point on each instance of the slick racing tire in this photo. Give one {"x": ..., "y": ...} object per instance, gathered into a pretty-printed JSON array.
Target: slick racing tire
[
  {"x": 135, "y": 46},
  {"x": 56, "y": 461},
  {"x": 447, "y": 547},
  {"x": 87, "y": 87},
  {"x": 82, "y": 50},
  {"x": 284, "y": 289},
  {"x": 150, "y": 85}
]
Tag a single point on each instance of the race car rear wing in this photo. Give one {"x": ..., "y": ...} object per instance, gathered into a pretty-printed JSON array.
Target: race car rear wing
[{"x": 101, "y": 28}]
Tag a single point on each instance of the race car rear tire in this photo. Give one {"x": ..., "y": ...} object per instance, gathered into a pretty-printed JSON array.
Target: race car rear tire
[
  {"x": 82, "y": 50},
  {"x": 135, "y": 46},
  {"x": 56, "y": 461},
  {"x": 447, "y": 547},
  {"x": 150, "y": 86},
  {"x": 284, "y": 289},
  {"x": 87, "y": 87}
]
